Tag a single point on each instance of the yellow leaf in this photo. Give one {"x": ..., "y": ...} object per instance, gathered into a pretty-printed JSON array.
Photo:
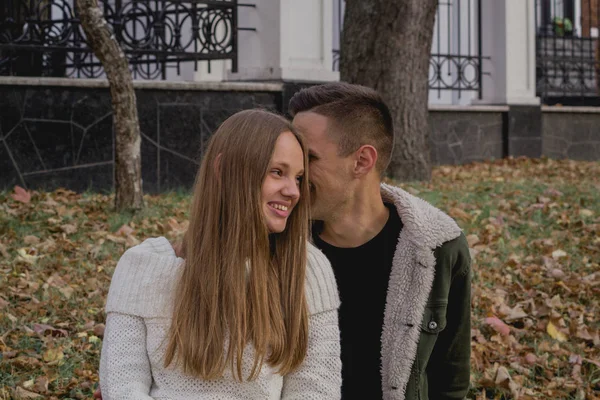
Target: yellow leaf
[
  {"x": 28, "y": 258},
  {"x": 94, "y": 339},
  {"x": 28, "y": 384},
  {"x": 53, "y": 355},
  {"x": 555, "y": 333}
]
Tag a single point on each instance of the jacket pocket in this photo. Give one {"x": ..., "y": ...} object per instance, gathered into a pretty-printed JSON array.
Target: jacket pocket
[{"x": 434, "y": 322}]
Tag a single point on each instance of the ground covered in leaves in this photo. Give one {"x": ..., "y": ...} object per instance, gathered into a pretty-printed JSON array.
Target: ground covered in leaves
[{"x": 533, "y": 227}]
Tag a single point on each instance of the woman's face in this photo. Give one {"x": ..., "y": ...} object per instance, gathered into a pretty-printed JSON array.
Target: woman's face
[{"x": 281, "y": 187}]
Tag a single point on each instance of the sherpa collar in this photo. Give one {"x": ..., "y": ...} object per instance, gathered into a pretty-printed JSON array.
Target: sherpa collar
[
  {"x": 413, "y": 270},
  {"x": 426, "y": 226}
]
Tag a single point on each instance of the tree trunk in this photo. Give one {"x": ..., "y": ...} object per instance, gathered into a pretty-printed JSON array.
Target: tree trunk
[
  {"x": 128, "y": 174},
  {"x": 386, "y": 45}
]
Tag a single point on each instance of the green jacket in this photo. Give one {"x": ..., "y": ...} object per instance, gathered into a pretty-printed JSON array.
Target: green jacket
[{"x": 426, "y": 340}]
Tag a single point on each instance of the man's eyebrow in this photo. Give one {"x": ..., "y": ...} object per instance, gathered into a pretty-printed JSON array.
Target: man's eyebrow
[{"x": 312, "y": 154}]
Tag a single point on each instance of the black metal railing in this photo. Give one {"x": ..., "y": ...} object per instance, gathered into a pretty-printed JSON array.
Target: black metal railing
[
  {"x": 568, "y": 52},
  {"x": 456, "y": 55},
  {"x": 45, "y": 37}
]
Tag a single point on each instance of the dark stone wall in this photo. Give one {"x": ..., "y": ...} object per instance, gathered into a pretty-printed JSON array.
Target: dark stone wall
[
  {"x": 459, "y": 137},
  {"x": 571, "y": 135},
  {"x": 63, "y": 136},
  {"x": 524, "y": 131}
]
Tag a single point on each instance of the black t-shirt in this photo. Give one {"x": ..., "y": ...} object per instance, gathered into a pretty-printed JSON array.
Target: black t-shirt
[{"x": 362, "y": 274}]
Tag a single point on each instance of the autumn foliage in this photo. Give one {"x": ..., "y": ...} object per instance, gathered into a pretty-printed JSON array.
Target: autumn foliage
[{"x": 533, "y": 227}]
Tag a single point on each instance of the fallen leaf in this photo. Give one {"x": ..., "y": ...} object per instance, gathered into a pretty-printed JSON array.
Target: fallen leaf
[
  {"x": 459, "y": 214},
  {"x": 94, "y": 339},
  {"x": 21, "y": 195},
  {"x": 583, "y": 333},
  {"x": 512, "y": 314},
  {"x": 24, "y": 256},
  {"x": 30, "y": 240},
  {"x": 28, "y": 384},
  {"x": 99, "y": 330},
  {"x": 555, "y": 333},
  {"x": 68, "y": 228},
  {"x": 131, "y": 241},
  {"x": 42, "y": 329},
  {"x": 472, "y": 240},
  {"x": 66, "y": 291},
  {"x": 504, "y": 380},
  {"x": 3, "y": 251},
  {"x": 556, "y": 254},
  {"x": 53, "y": 356},
  {"x": 498, "y": 325},
  {"x": 41, "y": 384},
  {"x": 124, "y": 230},
  {"x": 21, "y": 393},
  {"x": 586, "y": 213},
  {"x": 530, "y": 358}
]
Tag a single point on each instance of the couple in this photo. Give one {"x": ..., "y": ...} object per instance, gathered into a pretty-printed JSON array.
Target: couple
[{"x": 254, "y": 312}]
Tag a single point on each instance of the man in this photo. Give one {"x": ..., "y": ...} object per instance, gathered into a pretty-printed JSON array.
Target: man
[{"x": 402, "y": 266}]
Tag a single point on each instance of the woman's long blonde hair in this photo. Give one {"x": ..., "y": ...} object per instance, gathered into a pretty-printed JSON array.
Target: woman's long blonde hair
[{"x": 239, "y": 284}]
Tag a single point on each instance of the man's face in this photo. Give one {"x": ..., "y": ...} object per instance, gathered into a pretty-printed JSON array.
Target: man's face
[{"x": 330, "y": 175}]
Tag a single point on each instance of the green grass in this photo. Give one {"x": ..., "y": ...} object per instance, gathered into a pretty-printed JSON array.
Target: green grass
[{"x": 512, "y": 208}]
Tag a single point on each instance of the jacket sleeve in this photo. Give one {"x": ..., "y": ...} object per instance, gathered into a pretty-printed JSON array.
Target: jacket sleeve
[
  {"x": 124, "y": 364},
  {"x": 319, "y": 376},
  {"x": 448, "y": 370}
]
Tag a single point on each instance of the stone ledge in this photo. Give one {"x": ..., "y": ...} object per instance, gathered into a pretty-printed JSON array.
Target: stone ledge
[
  {"x": 139, "y": 84},
  {"x": 473, "y": 108},
  {"x": 571, "y": 109}
]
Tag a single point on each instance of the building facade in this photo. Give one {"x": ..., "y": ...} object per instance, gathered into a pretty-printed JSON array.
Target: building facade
[{"x": 506, "y": 77}]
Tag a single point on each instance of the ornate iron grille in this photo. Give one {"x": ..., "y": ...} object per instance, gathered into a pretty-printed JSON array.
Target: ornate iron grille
[
  {"x": 456, "y": 55},
  {"x": 45, "y": 37},
  {"x": 568, "y": 52}
]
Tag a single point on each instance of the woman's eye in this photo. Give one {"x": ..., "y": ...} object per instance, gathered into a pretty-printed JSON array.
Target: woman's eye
[
  {"x": 277, "y": 172},
  {"x": 299, "y": 179}
]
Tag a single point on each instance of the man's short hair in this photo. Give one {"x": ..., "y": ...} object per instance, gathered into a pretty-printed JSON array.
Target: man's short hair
[{"x": 358, "y": 115}]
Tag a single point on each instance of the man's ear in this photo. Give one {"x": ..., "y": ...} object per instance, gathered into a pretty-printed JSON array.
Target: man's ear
[{"x": 366, "y": 158}]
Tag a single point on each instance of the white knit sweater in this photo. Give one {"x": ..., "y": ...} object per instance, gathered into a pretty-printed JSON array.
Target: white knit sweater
[{"x": 138, "y": 309}]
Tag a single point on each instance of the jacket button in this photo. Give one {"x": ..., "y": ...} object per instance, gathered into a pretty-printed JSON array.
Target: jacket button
[{"x": 432, "y": 325}]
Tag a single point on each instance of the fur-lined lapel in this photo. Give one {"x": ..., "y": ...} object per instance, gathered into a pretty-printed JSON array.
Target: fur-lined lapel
[{"x": 424, "y": 228}]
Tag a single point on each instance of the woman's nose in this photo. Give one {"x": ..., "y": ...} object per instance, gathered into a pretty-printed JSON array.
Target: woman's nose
[{"x": 291, "y": 189}]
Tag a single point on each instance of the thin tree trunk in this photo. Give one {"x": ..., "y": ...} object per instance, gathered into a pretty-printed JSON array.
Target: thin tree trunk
[
  {"x": 386, "y": 45},
  {"x": 128, "y": 175}
]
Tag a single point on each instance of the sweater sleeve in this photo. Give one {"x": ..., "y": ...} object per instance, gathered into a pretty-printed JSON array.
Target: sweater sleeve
[
  {"x": 124, "y": 365},
  {"x": 320, "y": 375},
  {"x": 140, "y": 288}
]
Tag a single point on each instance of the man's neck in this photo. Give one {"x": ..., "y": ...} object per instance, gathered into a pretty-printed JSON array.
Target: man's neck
[{"x": 363, "y": 217}]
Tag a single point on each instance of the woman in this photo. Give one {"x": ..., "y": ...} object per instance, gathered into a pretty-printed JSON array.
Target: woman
[{"x": 252, "y": 312}]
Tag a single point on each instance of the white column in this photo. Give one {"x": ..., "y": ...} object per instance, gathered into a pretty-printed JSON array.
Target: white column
[
  {"x": 292, "y": 41},
  {"x": 508, "y": 37}
]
